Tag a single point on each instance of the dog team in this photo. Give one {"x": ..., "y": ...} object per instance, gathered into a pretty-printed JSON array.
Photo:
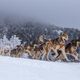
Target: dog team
[{"x": 42, "y": 49}]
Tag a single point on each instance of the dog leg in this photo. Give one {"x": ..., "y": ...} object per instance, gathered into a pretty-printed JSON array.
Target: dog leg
[
  {"x": 75, "y": 56},
  {"x": 43, "y": 56},
  {"x": 64, "y": 54},
  {"x": 56, "y": 54},
  {"x": 48, "y": 55}
]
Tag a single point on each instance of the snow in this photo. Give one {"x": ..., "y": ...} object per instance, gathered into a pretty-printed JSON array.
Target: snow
[
  {"x": 26, "y": 69},
  {"x": 58, "y": 31}
]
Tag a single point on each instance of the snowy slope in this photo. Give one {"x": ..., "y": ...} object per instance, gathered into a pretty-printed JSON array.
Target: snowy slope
[{"x": 25, "y": 69}]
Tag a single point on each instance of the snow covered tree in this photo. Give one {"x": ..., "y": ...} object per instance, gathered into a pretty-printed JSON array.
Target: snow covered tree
[
  {"x": 5, "y": 40},
  {"x": 14, "y": 41}
]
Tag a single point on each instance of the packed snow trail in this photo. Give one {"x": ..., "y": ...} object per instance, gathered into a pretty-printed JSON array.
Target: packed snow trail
[{"x": 26, "y": 69}]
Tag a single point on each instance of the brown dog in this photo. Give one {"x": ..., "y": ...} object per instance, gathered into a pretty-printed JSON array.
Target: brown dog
[
  {"x": 56, "y": 44},
  {"x": 71, "y": 48},
  {"x": 33, "y": 50},
  {"x": 17, "y": 52}
]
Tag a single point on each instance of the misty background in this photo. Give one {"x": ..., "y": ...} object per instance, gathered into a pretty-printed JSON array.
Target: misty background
[{"x": 65, "y": 13}]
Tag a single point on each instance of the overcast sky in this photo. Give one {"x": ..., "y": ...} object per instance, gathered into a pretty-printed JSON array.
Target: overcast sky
[{"x": 59, "y": 12}]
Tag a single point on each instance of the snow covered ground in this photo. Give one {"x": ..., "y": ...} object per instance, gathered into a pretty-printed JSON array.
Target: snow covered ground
[{"x": 26, "y": 69}]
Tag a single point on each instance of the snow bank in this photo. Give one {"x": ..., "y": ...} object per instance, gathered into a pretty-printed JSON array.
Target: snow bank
[{"x": 25, "y": 69}]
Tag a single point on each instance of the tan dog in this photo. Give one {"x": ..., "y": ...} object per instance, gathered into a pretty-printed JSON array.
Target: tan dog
[
  {"x": 5, "y": 51},
  {"x": 28, "y": 49},
  {"x": 56, "y": 44}
]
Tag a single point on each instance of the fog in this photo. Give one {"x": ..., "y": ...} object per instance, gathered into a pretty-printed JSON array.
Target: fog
[{"x": 65, "y": 13}]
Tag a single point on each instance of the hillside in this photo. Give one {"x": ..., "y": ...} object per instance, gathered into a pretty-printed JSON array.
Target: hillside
[
  {"x": 29, "y": 31},
  {"x": 25, "y": 69}
]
